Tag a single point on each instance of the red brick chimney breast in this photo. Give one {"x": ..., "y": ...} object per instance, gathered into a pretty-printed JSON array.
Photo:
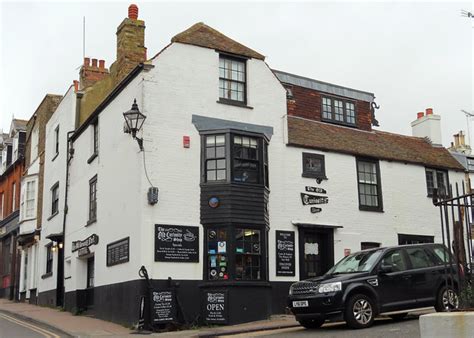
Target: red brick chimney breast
[{"x": 133, "y": 12}]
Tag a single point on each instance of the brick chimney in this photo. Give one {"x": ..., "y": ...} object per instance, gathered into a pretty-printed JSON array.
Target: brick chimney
[
  {"x": 131, "y": 48},
  {"x": 91, "y": 73},
  {"x": 428, "y": 125}
]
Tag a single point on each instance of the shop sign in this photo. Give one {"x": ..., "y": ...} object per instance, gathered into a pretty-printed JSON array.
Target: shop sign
[
  {"x": 308, "y": 199},
  {"x": 83, "y": 252},
  {"x": 91, "y": 240},
  {"x": 285, "y": 253},
  {"x": 163, "y": 306},
  {"x": 315, "y": 189},
  {"x": 175, "y": 243},
  {"x": 118, "y": 252},
  {"x": 215, "y": 307}
]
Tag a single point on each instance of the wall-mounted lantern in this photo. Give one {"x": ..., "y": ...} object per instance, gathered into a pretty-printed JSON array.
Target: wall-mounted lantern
[{"x": 134, "y": 120}]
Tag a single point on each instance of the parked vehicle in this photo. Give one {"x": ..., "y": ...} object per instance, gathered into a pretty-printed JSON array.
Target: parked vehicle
[{"x": 389, "y": 281}]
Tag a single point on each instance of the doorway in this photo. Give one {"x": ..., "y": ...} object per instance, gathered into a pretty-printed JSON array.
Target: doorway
[
  {"x": 316, "y": 251},
  {"x": 90, "y": 282}
]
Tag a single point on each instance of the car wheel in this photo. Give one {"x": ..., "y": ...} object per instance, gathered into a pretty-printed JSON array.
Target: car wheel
[
  {"x": 447, "y": 299},
  {"x": 359, "y": 311},
  {"x": 312, "y": 323},
  {"x": 398, "y": 316}
]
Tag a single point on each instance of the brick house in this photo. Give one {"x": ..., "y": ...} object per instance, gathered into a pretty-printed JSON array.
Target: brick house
[{"x": 11, "y": 170}]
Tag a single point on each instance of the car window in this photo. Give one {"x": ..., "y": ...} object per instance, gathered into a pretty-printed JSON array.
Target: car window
[
  {"x": 419, "y": 258},
  {"x": 395, "y": 260},
  {"x": 442, "y": 254}
]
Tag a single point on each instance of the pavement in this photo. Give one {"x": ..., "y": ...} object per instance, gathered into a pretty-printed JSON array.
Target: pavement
[{"x": 69, "y": 325}]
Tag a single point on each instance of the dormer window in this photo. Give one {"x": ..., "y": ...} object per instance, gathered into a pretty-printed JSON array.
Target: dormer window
[
  {"x": 232, "y": 80},
  {"x": 338, "y": 111}
]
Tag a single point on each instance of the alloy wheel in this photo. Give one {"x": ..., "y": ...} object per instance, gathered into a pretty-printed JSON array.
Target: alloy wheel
[
  {"x": 450, "y": 299},
  {"x": 362, "y": 311}
]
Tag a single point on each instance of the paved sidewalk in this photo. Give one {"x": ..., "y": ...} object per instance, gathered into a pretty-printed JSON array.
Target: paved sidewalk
[{"x": 77, "y": 326}]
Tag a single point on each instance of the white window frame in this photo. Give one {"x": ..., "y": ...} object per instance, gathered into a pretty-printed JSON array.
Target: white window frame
[{"x": 26, "y": 198}]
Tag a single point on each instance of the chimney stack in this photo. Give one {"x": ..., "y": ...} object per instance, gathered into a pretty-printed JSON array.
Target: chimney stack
[
  {"x": 131, "y": 48},
  {"x": 428, "y": 125},
  {"x": 459, "y": 145},
  {"x": 90, "y": 74}
]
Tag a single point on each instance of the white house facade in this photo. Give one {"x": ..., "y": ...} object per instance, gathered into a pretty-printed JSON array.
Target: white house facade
[{"x": 241, "y": 180}]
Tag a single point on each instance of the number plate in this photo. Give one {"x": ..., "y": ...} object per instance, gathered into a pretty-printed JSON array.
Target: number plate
[{"x": 300, "y": 303}]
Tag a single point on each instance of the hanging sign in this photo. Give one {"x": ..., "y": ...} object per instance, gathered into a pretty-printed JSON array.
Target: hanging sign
[
  {"x": 285, "y": 253},
  {"x": 308, "y": 199},
  {"x": 163, "y": 306},
  {"x": 91, "y": 240},
  {"x": 315, "y": 210},
  {"x": 215, "y": 307},
  {"x": 315, "y": 189},
  {"x": 175, "y": 243}
]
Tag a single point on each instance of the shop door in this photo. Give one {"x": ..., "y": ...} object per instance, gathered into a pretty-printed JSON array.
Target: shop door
[
  {"x": 316, "y": 252},
  {"x": 90, "y": 282}
]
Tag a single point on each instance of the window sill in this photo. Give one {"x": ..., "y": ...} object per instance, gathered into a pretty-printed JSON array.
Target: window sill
[
  {"x": 234, "y": 103},
  {"x": 52, "y": 216},
  {"x": 363, "y": 208},
  {"x": 340, "y": 123},
  {"x": 57, "y": 154},
  {"x": 92, "y": 158},
  {"x": 47, "y": 275},
  {"x": 91, "y": 221}
]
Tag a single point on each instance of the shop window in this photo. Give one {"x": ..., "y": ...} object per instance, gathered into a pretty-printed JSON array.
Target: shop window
[
  {"x": 437, "y": 179},
  {"x": 235, "y": 254},
  {"x": 313, "y": 166},
  {"x": 247, "y": 254}
]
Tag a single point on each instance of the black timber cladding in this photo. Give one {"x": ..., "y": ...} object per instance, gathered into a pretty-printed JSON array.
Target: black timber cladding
[{"x": 243, "y": 204}]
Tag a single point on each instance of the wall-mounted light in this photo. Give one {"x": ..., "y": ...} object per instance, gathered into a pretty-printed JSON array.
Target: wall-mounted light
[
  {"x": 134, "y": 120},
  {"x": 60, "y": 245},
  {"x": 53, "y": 248}
]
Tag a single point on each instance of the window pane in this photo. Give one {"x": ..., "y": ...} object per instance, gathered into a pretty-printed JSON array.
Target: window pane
[
  {"x": 211, "y": 175},
  {"x": 419, "y": 258},
  {"x": 221, "y": 164},
  {"x": 211, "y": 164},
  {"x": 210, "y": 140},
  {"x": 220, "y": 140},
  {"x": 210, "y": 152},
  {"x": 220, "y": 175}
]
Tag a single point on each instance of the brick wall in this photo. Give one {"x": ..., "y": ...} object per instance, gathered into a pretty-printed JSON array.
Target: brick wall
[
  {"x": 11, "y": 175},
  {"x": 307, "y": 103}
]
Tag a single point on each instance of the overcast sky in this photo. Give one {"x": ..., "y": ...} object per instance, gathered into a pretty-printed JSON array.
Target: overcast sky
[{"x": 411, "y": 55}]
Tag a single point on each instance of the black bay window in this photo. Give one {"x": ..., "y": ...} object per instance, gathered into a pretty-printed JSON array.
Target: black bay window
[
  {"x": 236, "y": 158},
  {"x": 235, "y": 253}
]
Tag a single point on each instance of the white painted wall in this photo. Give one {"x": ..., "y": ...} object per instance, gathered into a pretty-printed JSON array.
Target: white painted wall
[{"x": 54, "y": 171}]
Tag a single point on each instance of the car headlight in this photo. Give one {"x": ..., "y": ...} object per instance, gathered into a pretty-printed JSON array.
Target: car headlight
[{"x": 330, "y": 287}]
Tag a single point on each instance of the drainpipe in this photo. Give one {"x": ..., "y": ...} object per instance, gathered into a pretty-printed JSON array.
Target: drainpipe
[{"x": 69, "y": 157}]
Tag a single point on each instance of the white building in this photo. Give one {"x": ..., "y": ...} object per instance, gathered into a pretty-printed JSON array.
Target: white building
[{"x": 264, "y": 178}]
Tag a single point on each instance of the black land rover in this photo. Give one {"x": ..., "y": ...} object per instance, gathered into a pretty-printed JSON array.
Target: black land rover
[{"x": 368, "y": 283}]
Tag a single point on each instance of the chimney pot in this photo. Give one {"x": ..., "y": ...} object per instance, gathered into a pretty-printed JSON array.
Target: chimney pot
[
  {"x": 101, "y": 64},
  {"x": 87, "y": 62},
  {"x": 94, "y": 63},
  {"x": 420, "y": 115},
  {"x": 429, "y": 111},
  {"x": 133, "y": 12}
]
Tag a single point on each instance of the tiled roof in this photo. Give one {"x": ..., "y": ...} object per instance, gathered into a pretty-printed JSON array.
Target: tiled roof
[
  {"x": 202, "y": 35},
  {"x": 377, "y": 144}
]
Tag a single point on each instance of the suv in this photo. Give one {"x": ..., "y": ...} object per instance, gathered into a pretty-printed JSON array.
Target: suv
[{"x": 368, "y": 283}]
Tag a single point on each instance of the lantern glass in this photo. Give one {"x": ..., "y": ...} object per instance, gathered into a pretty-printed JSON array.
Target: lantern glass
[{"x": 134, "y": 119}]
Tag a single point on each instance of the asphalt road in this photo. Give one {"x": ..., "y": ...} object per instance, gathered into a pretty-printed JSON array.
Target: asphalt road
[
  {"x": 12, "y": 327},
  {"x": 383, "y": 328}
]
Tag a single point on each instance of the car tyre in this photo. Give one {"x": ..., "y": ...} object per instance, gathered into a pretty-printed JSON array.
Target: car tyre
[
  {"x": 312, "y": 323},
  {"x": 399, "y": 316},
  {"x": 359, "y": 312},
  {"x": 447, "y": 299}
]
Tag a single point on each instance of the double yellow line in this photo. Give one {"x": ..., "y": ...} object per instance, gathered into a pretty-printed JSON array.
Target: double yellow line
[{"x": 41, "y": 331}]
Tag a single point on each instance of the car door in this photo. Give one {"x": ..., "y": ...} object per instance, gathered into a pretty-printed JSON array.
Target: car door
[
  {"x": 395, "y": 287},
  {"x": 424, "y": 275}
]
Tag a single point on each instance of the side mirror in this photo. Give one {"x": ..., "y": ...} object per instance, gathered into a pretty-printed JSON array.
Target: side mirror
[{"x": 385, "y": 268}]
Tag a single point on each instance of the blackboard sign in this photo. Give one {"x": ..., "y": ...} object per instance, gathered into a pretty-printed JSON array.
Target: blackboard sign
[
  {"x": 118, "y": 252},
  {"x": 215, "y": 307},
  {"x": 163, "y": 306},
  {"x": 285, "y": 253},
  {"x": 175, "y": 243}
]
